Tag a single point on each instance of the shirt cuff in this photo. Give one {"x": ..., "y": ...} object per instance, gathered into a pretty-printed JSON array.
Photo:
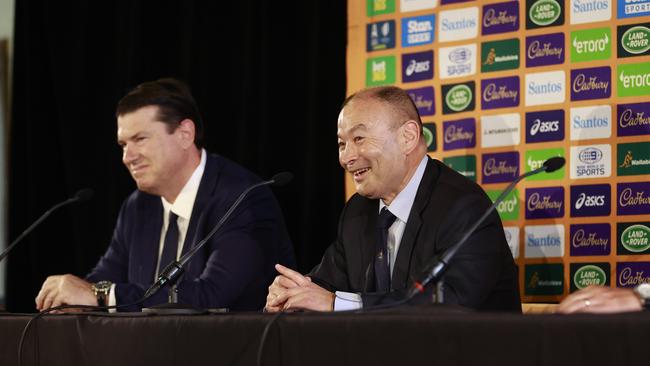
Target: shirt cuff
[
  {"x": 347, "y": 301},
  {"x": 111, "y": 299}
]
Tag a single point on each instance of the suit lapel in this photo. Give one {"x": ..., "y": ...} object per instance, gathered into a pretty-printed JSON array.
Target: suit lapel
[
  {"x": 368, "y": 239},
  {"x": 150, "y": 245},
  {"x": 400, "y": 278},
  {"x": 206, "y": 190}
]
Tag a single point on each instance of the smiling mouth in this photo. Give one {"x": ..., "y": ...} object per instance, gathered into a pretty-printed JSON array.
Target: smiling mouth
[
  {"x": 359, "y": 173},
  {"x": 135, "y": 171}
]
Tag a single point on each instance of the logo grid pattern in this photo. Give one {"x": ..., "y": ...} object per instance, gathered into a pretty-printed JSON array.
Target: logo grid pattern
[{"x": 576, "y": 75}]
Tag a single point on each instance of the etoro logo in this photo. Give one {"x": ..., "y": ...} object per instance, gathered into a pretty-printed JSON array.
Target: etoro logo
[
  {"x": 634, "y": 79},
  {"x": 591, "y": 44}
]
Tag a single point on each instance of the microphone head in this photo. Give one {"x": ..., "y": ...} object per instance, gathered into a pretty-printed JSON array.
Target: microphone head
[
  {"x": 83, "y": 195},
  {"x": 281, "y": 179},
  {"x": 554, "y": 164}
]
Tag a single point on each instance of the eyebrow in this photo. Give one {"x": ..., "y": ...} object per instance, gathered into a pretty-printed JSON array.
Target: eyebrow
[
  {"x": 134, "y": 136},
  {"x": 359, "y": 126}
]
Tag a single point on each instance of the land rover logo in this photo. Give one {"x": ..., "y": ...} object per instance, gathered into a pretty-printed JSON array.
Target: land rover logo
[
  {"x": 459, "y": 97},
  {"x": 589, "y": 275},
  {"x": 544, "y": 12},
  {"x": 636, "y": 40},
  {"x": 636, "y": 238}
]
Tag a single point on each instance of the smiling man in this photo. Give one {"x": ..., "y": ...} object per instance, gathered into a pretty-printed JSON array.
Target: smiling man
[
  {"x": 408, "y": 209},
  {"x": 182, "y": 193}
]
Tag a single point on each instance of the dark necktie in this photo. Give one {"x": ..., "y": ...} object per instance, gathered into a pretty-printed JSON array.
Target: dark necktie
[
  {"x": 382, "y": 266},
  {"x": 170, "y": 247}
]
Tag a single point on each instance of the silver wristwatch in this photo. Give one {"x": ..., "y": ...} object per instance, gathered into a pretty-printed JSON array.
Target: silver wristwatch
[{"x": 101, "y": 290}]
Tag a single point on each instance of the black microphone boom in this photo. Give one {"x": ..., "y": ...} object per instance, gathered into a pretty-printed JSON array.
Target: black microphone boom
[
  {"x": 438, "y": 268},
  {"x": 175, "y": 269},
  {"x": 81, "y": 196}
]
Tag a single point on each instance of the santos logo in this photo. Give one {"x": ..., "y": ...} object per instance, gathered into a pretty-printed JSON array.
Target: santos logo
[
  {"x": 545, "y": 88},
  {"x": 589, "y": 201},
  {"x": 458, "y": 24},
  {"x": 593, "y": 122},
  {"x": 589, "y": 11},
  {"x": 544, "y": 241}
]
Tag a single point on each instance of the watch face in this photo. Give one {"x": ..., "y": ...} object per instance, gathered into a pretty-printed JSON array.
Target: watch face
[{"x": 103, "y": 286}]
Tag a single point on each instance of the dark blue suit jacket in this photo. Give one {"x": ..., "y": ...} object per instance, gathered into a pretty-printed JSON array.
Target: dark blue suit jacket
[{"x": 232, "y": 270}]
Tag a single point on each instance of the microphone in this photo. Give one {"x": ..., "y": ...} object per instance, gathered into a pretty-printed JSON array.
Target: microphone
[
  {"x": 437, "y": 269},
  {"x": 175, "y": 269},
  {"x": 81, "y": 196}
]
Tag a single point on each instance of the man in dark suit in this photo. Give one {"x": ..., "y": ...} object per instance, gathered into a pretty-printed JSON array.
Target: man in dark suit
[
  {"x": 429, "y": 208},
  {"x": 182, "y": 193}
]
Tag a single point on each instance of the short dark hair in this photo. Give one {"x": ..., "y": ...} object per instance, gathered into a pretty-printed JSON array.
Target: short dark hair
[
  {"x": 396, "y": 97},
  {"x": 174, "y": 100}
]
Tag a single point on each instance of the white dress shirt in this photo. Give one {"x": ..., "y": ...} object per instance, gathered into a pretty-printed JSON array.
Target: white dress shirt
[{"x": 401, "y": 208}]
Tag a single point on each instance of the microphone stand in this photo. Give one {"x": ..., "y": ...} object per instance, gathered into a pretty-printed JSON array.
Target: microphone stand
[
  {"x": 174, "y": 270},
  {"x": 437, "y": 269},
  {"x": 80, "y": 196}
]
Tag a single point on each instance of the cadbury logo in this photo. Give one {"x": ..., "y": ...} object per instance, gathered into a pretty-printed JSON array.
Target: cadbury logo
[
  {"x": 453, "y": 134},
  {"x": 628, "y": 278},
  {"x": 535, "y": 203},
  {"x": 491, "y": 18},
  {"x": 583, "y": 84},
  {"x": 581, "y": 239},
  {"x": 627, "y": 198},
  {"x": 493, "y": 93},
  {"x": 493, "y": 168},
  {"x": 536, "y": 50},
  {"x": 630, "y": 119}
]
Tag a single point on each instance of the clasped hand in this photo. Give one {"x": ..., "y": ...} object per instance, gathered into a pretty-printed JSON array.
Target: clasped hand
[{"x": 293, "y": 291}]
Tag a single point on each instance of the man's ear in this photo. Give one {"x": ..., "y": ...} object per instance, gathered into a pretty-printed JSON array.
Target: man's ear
[
  {"x": 410, "y": 135},
  {"x": 186, "y": 132}
]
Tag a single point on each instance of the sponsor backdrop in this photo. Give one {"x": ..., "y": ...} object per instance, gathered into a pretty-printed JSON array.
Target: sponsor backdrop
[{"x": 504, "y": 85}]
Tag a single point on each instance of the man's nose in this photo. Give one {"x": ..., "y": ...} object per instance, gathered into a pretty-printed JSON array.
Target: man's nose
[
  {"x": 129, "y": 154},
  {"x": 348, "y": 155}
]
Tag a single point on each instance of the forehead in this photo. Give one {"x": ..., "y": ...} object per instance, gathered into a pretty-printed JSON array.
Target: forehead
[
  {"x": 140, "y": 120},
  {"x": 364, "y": 114}
]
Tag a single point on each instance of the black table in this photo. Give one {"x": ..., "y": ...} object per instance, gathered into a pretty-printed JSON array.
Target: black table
[{"x": 405, "y": 336}]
